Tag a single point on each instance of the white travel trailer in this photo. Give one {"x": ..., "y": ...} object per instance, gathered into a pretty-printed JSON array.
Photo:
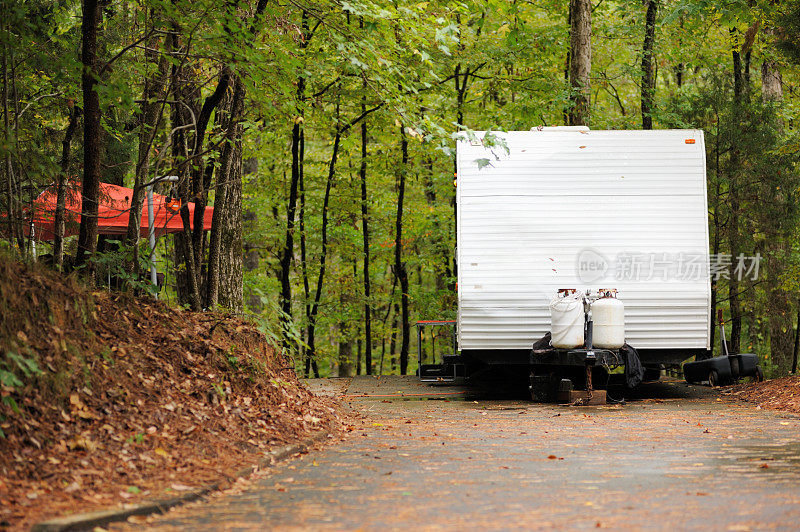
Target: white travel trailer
[{"x": 567, "y": 207}]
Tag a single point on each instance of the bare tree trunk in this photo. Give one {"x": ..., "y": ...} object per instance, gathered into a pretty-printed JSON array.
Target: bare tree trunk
[
  {"x": 580, "y": 60},
  {"x": 231, "y": 279},
  {"x": 304, "y": 266},
  {"x": 734, "y": 202},
  {"x": 87, "y": 236},
  {"x": 288, "y": 247},
  {"x": 61, "y": 183},
  {"x": 393, "y": 339},
  {"x": 297, "y": 166},
  {"x": 771, "y": 81},
  {"x": 228, "y": 209},
  {"x": 310, "y": 362},
  {"x": 345, "y": 363},
  {"x": 680, "y": 67},
  {"x": 9, "y": 167},
  {"x": 717, "y": 239},
  {"x": 796, "y": 339},
  {"x": 365, "y": 245},
  {"x": 568, "y": 56},
  {"x": 399, "y": 266},
  {"x": 184, "y": 95},
  {"x": 648, "y": 65},
  {"x": 312, "y": 320},
  {"x": 201, "y": 174},
  {"x": 461, "y": 94}
]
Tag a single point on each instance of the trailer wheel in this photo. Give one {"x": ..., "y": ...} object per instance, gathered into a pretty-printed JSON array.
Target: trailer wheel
[
  {"x": 759, "y": 376},
  {"x": 713, "y": 378}
]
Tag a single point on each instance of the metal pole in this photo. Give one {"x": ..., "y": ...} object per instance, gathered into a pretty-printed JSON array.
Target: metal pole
[
  {"x": 151, "y": 225},
  {"x": 151, "y": 236},
  {"x": 419, "y": 345}
]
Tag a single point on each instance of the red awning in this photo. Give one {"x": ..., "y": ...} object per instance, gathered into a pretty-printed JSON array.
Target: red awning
[{"x": 115, "y": 204}]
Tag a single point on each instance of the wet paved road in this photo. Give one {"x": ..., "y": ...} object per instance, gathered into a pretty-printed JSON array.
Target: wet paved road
[{"x": 685, "y": 459}]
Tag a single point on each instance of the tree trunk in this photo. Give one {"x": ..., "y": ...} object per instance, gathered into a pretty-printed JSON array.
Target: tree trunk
[
  {"x": 648, "y": 65},
  {"x": 61, "y": 192},
  {"x": 345, "y": 362},
  {"x": 184, "y": 98},
  {"x": 312, "y": 320},
  {"x": 90, "y": 190},
  {"x": 288, "y": 247},
  {"x": 393, "y": 340},
  {"x": 717, "y": 239},
  {"x": 226, "y": 224},
  {"x": 734, "y": 202},
  {"x": 309, "y": 363},
  {"x": 297, "y": 166},
  {"x": 189, "y": 278},
  {"x": 771, "y": 81},
  {"x": 568, "y": 56},
  {"x": 399, "y": 266},
  {"x": 461, "y": 94},
  {"x": 11, "y": 211},
  {"x": 580, "y": 60},
  {"x": 680, "y": 67},
  {"x": 231, "y": 278},
  {"x": 365, "y": 245},
  {"x": 200, "y": 173}
]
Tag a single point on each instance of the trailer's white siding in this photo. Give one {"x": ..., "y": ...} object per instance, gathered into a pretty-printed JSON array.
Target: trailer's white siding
[{"x": 524, "y": 218}]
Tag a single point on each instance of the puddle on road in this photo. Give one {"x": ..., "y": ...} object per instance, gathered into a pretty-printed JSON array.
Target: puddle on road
[
  {"x": 504, "y": 408},
  {"x": 779, "y": 461}
]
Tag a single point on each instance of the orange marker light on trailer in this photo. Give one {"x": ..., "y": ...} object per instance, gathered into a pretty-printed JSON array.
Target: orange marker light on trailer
[{"x": 689, "y": 141}]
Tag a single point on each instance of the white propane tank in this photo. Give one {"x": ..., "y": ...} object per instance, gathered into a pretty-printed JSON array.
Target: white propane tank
[
  {"x": 608, "y": 321},
  {"x": 567, "y": 319}
]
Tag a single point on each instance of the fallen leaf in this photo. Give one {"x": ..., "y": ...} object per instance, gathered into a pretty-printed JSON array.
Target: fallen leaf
[{"x": 161, "y": 452}]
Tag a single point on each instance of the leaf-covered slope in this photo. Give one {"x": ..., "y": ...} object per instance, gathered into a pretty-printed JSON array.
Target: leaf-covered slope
[
  {"x": 107, "y": 398},
  {"x": 776, "y": 394}
]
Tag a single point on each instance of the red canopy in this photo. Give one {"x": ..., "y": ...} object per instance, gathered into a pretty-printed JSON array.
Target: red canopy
[{"x": 114, "y": 209}]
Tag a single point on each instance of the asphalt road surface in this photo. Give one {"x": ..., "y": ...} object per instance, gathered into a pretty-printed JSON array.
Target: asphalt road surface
[{"x": 418, "y": 457}]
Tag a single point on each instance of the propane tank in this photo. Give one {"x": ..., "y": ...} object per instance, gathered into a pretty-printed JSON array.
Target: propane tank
[
  {"x": 567, "y": 319},
  {"x": 608, "y": 317}
]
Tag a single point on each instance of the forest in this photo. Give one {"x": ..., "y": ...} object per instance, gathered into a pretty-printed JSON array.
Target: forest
[{"x": 323, "y": 135}]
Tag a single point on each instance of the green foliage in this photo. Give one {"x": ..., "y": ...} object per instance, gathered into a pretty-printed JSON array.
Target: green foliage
[
  {"x": 135, "y": 438},
  {"x": 15, "y": 369},
  {"x": 115, "y": 263},
  {"x": 438, "y": 70}
]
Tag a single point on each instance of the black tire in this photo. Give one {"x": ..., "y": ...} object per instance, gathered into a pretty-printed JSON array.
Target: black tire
[
  {"x": 651, "y": 375},
  {"x": 713, "y": 378},
  {"x": 759, "y": 376}
]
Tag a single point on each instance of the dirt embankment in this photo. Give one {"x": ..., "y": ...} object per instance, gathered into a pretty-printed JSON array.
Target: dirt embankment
[
  {"x": 110, "y": 399},
  {"x": 776, "y": 394}
]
